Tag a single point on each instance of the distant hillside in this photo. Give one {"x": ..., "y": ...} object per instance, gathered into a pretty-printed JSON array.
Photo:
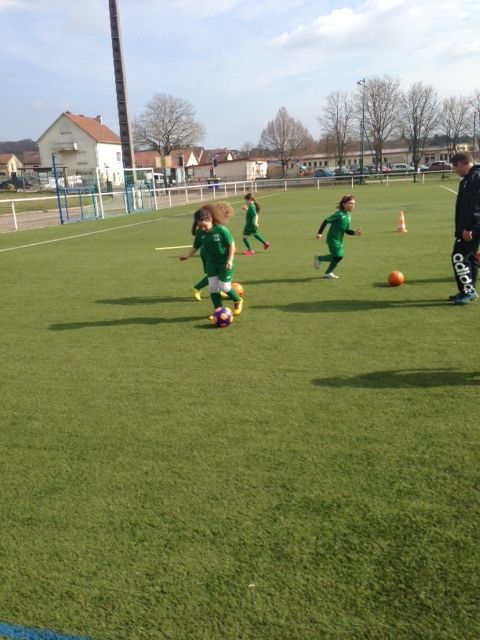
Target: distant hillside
[{"x": 18, "y": 147}]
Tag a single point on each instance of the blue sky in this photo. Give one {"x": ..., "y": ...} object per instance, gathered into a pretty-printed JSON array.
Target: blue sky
[{"x": 236, "y": 61}]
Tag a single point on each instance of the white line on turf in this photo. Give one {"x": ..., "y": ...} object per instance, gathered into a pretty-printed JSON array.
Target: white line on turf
[
  {"x": 447, "y": 189},
  {"x": 182, "y": 246}
]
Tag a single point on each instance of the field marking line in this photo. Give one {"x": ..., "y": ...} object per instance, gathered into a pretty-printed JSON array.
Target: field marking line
[
  {"x": 92, "y": 233},
  {"x": 182, "y": 246},
  {"x": 81, "y": 235},
  {"x": 447, "y": 189}
]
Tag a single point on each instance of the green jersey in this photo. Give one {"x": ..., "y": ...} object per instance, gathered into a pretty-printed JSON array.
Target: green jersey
[
  {"x": 250, "y": 215},
  {"x": 216, "y": 244},
  {"x": 198, "y": 242},
  {"x": 339, "y": 224}
]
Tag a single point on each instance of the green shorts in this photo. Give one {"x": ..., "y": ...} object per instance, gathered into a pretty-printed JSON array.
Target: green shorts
[
  {"x": 220, "y": 271},
  {"x": 249, "y": 230},
  {"x": 336, "y": 249}
]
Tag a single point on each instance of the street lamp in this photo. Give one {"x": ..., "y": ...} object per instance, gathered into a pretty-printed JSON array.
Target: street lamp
[
  {"x": 362, "y": 131},
  {"x": 474, "y": 134}
]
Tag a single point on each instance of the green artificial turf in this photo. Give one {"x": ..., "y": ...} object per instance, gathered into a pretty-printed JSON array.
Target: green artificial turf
[{"x": 309, "y": 473}]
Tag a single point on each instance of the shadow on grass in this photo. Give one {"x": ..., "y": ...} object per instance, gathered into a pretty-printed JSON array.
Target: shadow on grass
[
  {"x": 335, "y": 306},
  {"x": 404, "y": 379},
  {"x": 142, "y": 300},
  {"x": 279, "y": 280},
  {"x": 385, "y": 285},
  {"x": 123, "y": 322}
]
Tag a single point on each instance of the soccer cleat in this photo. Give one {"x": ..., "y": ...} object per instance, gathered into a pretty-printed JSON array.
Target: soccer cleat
[
  {"x": 250, "y": 252},
  {"x": 196, "y": 294},
  {"x": 455, "y": 296},
  {"x": 316, "y": 263},
  {"x": 223, "y": 295},
  {"x": 465, "y": 298},
  {"x": 266, "y": 245},
  {"x": 237, "y": 307},
  {"x": 330, "y": 276}
]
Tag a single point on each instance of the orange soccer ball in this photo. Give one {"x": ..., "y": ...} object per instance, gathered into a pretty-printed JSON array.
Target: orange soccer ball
[
  {"x": 238, "y": 288},
  {"x": 396, "y": 278}
]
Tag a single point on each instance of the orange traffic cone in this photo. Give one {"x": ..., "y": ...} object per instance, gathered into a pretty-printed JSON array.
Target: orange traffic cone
[{"x": 401, "y": 228}]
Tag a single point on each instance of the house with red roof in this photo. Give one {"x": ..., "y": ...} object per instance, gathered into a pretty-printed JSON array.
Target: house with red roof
[
  {"x": 9, "y": 165},
  {"x": 82, "y": 145}
]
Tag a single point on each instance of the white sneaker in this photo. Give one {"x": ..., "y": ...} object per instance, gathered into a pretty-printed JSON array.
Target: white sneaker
[
  {"x": 331, "y": 276},
  {"x": 316, "y": 263}
]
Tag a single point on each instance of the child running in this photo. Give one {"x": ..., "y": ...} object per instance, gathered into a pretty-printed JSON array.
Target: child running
[
  {"x": 218, "y": 248},
  {"x": 339, "y": 225},
  {"x": 198, "y": 236},
  {"x": 220, "y": 211},
  {"x": 252, "y": 209}
]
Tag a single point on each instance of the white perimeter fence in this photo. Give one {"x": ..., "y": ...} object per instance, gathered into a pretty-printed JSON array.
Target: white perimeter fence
[{"x": 72, "y": 205}]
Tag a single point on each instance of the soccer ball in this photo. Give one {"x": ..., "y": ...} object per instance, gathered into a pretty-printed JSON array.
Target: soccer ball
[
  {"x": 238, "y": 288},
  {"x": 222, "y": 317},
  {"x": 396, "y": 278}
]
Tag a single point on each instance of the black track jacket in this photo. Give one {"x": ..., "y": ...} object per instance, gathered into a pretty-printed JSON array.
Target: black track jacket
[{"x": 467, "y": 206}]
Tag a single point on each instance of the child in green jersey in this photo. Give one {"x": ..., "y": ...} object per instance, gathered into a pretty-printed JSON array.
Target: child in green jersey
[
  {"x": 252, "y": 209},
  {"x": 218, "y": 249},
  {"x": 339, "y": 225},
  {"x": 221, "y": 212}
]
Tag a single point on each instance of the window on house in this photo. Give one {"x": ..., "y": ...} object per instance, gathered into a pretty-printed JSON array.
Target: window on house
[
  {"x": 82, "y": 157},
  {"x": 119, "y": 156}
]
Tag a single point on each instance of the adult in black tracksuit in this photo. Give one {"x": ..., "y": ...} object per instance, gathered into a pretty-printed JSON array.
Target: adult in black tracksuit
[{"x": 467, "y": 228}]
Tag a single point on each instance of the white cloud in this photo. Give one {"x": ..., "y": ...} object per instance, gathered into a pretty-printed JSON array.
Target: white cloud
[{"x": 324, "y": 30}]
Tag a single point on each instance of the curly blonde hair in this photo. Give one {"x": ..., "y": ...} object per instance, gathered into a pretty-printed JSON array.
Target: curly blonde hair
[{"x": 221, "y": 212}]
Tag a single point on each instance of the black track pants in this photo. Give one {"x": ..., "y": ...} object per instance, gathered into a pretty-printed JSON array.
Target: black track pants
[{"x": 465, "y": 264}]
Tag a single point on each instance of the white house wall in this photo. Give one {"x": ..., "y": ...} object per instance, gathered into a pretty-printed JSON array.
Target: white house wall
[{"x": 86, "y": 157}]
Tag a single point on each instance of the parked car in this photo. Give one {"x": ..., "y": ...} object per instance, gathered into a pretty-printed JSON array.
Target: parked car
[
  {"x": 8, "y": 185},
  {"x": 401, "y": 167},
  {"x": 17, "y": 183},
  {"x": 342, "y": 172},
  {"x": 422, "y": 167},
  {"x": 357, "y": 170},
  {"x": 440, "y": 165},
  {"x": 323, "y": 173}
]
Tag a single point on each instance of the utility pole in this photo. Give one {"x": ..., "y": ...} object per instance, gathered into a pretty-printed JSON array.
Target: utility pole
[
  {"x": 474, "y": 134},
  {"x": 362, "y": 132},
  {"x": 120, "y": 85}
]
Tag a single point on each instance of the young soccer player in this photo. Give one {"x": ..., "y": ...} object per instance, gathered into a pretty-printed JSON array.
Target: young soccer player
[
  {"x": 198, "y": 236},
  {"x": 221, "y": 212},
  {"x": 339, "y": 225},
  {"x": 218, "y": 249},
  {"x": 252, "y": 209}
]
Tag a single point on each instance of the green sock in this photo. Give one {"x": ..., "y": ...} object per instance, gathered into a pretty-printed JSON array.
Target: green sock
[
  {"x": 247, "y": 244},
  {"x": 201, "y": 284},
  {"x": 216, "y": 299},
  {"x": 233, "y": 295},
  {"x": 259, "y": 237}
]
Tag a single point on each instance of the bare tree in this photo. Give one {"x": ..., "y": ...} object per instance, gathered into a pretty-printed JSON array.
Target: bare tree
[
  {"x": 454, "y": 120},
  {"x": 167, "y": 123},
  {"x": 337, "y": 122},
  {"x": 285, "y": 137},
  {"x": 419, "y": 115},
  {"x": 381, "y": 102},
  {"x": 246, "y": 149},
  {"x": 476, "y": 121}
]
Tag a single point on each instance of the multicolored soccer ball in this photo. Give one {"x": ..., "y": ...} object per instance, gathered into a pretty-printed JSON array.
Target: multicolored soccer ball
[
  {"x": 396, "y": 278},
  {"x": 238, "y": 288},
  {"x": 222, "y": 317}
]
